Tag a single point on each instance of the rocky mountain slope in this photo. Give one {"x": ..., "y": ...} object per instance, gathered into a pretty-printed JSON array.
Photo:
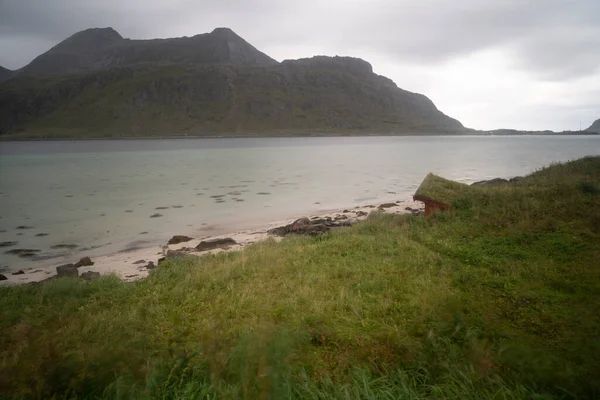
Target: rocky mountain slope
[
  {"x": 96, "y": 83},
  {"x": 5, "y": 73},
  {"x": 595, "y": 127}
]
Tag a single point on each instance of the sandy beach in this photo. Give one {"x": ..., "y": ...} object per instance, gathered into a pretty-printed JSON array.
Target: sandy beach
[{"x": 132, "y": 265}]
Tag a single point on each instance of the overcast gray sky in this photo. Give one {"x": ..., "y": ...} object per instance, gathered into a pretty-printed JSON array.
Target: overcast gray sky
[{"x": 525, "y": 64}]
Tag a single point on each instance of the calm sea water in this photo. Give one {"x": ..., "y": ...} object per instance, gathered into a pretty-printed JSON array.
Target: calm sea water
[{"x": 100, "y": 195}]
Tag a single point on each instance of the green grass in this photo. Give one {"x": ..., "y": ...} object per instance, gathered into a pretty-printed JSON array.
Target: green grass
[{"x": 496, "y": 299}]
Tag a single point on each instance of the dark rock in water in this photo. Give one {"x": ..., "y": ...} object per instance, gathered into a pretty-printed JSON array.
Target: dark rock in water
[
  {"x": 157, "y": 215},
  {"x": 64, "y": 246},
  {"x": 387, "y": 205},
  {"x": 41, "y": 234},
  {"x": 215, "y": 244},
  {"x": 67, "y": 270},
  {"x": 138, "y": 262},
  {"x": 263, "y": 193},
  {"x": 24, "y": 227},
  {"x": 179, "y": 239},
  {"x": 24, "y": 253},
  {"x": 19, "y": 272},
  {"x": 90, "y": 276},
  {"x": 3, "y": 278},
  {"x": 128, "y": 211},
  {"x": 8, "y": 244},
  {"x": 495, "y": 181},
  {"x": 176, "y": 206},
  {"x": 84, "y": 262},
  {"x": 162, "y": 208}
]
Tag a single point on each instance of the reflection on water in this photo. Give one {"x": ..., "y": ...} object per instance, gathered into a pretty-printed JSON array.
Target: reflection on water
[{"x": 102, "y": 195}]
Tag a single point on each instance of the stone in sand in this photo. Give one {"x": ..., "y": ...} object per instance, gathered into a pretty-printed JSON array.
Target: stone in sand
[
  {"x": 150, "y": 266},
  {"x": 3, "y": 278},
  {"x": 90, "y": 276},
  {"x": 67, "y": 270},
  {"x": 157, "y": 215},
  {"x": 179, "y": 239},
  {"x": 176, "y": 255},
  {"x": 303, "y": 226},
  {"x": 8, "y": 244},
  {"x": 64, "y": 246},
  {"x": 215, "y": 244},
  {"x": 387, "y": 205},
  {"x": 84, "y": 262},
  {"x": 19, "y": 272},
  {"x": 138, "y": 262}
]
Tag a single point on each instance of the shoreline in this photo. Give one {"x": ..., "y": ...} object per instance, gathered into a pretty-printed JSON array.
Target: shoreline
[
  {"x": 6, "y": 138},
  {"x": 130, "y": 265}
]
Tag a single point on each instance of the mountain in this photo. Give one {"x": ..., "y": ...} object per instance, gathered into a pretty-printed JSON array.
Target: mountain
[
  {"x": 102, "y": 48},
  {"x": 5, "y": 73},
  {"x": 595, "y": 127},
  {"x": 96, "y": 83}
]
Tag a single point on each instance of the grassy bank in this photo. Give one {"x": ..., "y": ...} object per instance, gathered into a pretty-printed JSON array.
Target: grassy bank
[{"x": 498, "y": 298}]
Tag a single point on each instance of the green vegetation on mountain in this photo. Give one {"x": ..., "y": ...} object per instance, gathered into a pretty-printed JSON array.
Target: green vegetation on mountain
[
  {"x": 97, "y": 84},
  {"x": 595, "y": 127},
  {"x": 496, "y": 299}
]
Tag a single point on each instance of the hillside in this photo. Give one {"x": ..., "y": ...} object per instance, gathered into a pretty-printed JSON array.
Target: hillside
[
  {"x": 5, "y": 73},
  {"x": 95, "y": 49},
  {"x": 497, "y": 299},
  {"x": 209, "y": 84},
  {"x": 595, "y": 127}
]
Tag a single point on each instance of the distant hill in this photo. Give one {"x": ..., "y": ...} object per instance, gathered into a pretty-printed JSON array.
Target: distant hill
[
  {"x": 96, "y": 83},
  {"x": 595, "y": 127},
  {"x": 5, "y": 73}
]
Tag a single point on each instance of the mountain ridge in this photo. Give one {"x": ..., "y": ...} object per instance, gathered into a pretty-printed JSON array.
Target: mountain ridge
[
  {"x": 595, "y": 127},
  {"x": 96, "y": 83}
]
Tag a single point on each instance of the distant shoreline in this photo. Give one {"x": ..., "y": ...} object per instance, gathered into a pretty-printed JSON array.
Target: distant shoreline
[{"x": 8, "y": 138}]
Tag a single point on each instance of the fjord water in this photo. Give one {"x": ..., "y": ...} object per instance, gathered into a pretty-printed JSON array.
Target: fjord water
[{"x": 100, "y": 195}]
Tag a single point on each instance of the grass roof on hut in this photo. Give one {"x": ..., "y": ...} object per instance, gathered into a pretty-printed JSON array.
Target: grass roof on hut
[{"x": 439, "y": 189}]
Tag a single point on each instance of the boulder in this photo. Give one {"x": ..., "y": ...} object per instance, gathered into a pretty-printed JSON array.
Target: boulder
[
  {"x": 84, "y": 262},
  {"x": 212, "y": 244},
  {"x": 150, "y": 266},
  {"x": 3, "y": 278},
  {"x": 495, "y": 181},
  {"x": 69, "y": 270},
  {"x": 7, "y": 244},
  {"x": 90, "y": 276},
  {"x": 175, "y": 255},
  {"x": 305, "y": 226},
  {"x": 361, "y": 213},
  {"x": 387, "y": 205},
  {"x": 19, "y": 272},
  {"x": 179, "y": 239}
]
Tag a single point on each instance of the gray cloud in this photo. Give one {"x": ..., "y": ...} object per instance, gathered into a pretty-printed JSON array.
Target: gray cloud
[{"x": 549, "y": 40}]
